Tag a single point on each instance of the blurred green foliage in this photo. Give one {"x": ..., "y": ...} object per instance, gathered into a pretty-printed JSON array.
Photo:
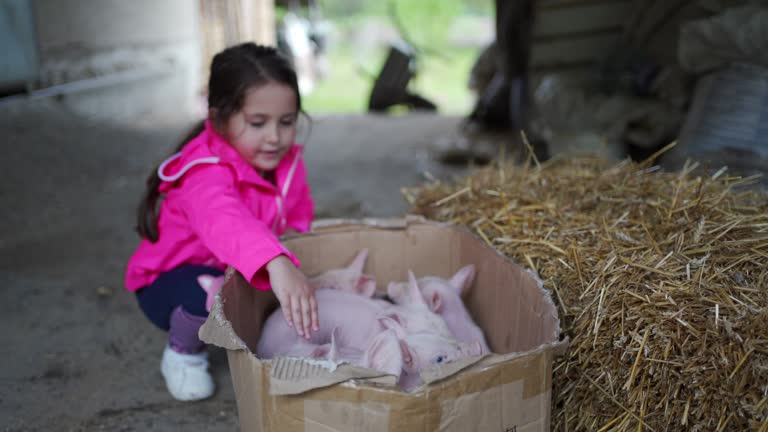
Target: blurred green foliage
[
  {"x": 443, "y": 68},
  {"x": 346, "y": 89},
  {"x": 425, "y": 23},
  {"x": 337, "y": 8}
]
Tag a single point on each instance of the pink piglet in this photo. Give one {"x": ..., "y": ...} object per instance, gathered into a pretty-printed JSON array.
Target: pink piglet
[
  {"x": 444, "y": 297},
  {"x": 350, "y": 278},
  {"x": 212, "y": 285}
]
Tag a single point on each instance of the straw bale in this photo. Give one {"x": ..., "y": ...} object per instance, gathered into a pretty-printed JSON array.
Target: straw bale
[{"x": 660, "y": 280}]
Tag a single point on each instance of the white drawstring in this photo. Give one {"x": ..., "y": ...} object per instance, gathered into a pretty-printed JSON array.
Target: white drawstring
[
  {"x": 187, "y": 167},
  {"x": 280, "y": 217},
  {"x": 289, "y": 177},
  {"x": 280, "y": 220}
]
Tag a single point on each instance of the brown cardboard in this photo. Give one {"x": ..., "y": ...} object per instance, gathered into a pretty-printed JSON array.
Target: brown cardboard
[
  {"x": 510, "y": 390},
  {"x": 290, "y": 376}
]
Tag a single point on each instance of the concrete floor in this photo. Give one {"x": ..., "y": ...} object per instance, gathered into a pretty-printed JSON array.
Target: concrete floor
[{"x": 78, "y": 353}]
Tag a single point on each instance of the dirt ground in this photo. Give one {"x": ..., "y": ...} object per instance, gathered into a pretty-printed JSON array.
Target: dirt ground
[{"x": 78, "y": 353}]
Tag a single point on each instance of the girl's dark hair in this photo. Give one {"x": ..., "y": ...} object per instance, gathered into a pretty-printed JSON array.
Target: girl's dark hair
[{"x": 233, "y": 71}]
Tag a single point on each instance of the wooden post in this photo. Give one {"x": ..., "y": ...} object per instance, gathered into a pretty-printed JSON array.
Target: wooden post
[
  {"x": 258, "y": 21},
  {"x": 224, "y": 23},
  {"x": 514, "y": 28},
  {"x": 503, "y": 103}
]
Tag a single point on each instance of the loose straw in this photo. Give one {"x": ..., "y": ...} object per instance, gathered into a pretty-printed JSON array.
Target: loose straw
[{"x": 660, "y": 278}]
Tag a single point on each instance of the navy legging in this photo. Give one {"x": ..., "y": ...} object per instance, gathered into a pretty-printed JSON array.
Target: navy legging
[{"x": 178, "y": 287}]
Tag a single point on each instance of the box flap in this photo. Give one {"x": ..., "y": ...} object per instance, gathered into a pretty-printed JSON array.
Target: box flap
[
  {"x": 436, "y": 373},
  {"x": 327, "y": 225},
  {"x": 551, "y": 310},
  {"x": 290, "y": 376},
  {"x": 217, "y": 330}
]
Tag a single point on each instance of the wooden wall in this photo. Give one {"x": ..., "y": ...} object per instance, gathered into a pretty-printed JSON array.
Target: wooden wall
[{"x": 574, "y": 34}]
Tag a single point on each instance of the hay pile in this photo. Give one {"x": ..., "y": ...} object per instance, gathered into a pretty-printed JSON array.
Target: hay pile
[{"x": 660, "y": 281}]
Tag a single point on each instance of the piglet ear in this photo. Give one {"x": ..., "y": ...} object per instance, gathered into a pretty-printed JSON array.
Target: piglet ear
[
  {"x": 321, "y": 352},
  {"x": 366, "y": 286},
  {"x": 435, "y": 302},
  {"x": 407, "y": 355},
  {"x": 476, "y": 348},
  {"x": 206, "y": 282},
  {"x": 384, "y": 354},
  {"x": 394, "y": 322},
  {"x": 211, "y": 285},
  {"x": 333, "y": 351},
  {"x": 462, "y": 280},
  {"x": 358, "y": 263},
  {"x": 413, "y": 290}
]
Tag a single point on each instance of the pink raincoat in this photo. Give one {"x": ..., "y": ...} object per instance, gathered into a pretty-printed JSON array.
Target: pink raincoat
[{"x": 219, "y": 211}]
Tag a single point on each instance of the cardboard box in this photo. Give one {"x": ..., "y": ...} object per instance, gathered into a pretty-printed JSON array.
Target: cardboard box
[{"x": 509, "y": 391}]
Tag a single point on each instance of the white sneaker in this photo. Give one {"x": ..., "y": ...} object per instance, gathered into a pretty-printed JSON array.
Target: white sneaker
[{"x": 186, "y": 375}]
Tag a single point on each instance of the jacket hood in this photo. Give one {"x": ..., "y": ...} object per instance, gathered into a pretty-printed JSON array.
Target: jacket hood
[{"x": 210, "y": 148}]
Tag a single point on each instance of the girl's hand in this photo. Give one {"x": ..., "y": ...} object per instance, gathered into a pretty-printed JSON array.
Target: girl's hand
[{"x": 297, "y": 298}]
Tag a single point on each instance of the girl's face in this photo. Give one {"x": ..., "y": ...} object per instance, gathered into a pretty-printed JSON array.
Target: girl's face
[{"x": 264, "y": 129}]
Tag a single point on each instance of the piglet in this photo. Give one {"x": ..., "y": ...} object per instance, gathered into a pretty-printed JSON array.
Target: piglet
[
  {"x": 414, "y": 313},
  {"x": 443, "y": 296},
  {"x": 350, "y": 279},
  {"x": 404, "y": 354},
  {"x": 354, "y": 321},
  {"x": 357, "y": 318},
  {"x": 384, "y": 353},
  {"x": 420, "y": 350},
  {"x": 354, "y": 315},
  {"x": 331, "y": 351}
]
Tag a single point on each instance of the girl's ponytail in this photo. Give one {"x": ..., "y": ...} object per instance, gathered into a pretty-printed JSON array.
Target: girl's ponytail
[{"x": 147, "y": 211}]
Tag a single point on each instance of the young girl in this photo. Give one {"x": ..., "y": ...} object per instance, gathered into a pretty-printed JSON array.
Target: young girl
[{"x": 237, "y": 183}]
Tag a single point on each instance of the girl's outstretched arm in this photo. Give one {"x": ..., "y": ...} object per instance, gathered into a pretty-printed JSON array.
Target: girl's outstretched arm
[
  {"x": 230, "y": 230},
  {"x": 296, "y": 296}
]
